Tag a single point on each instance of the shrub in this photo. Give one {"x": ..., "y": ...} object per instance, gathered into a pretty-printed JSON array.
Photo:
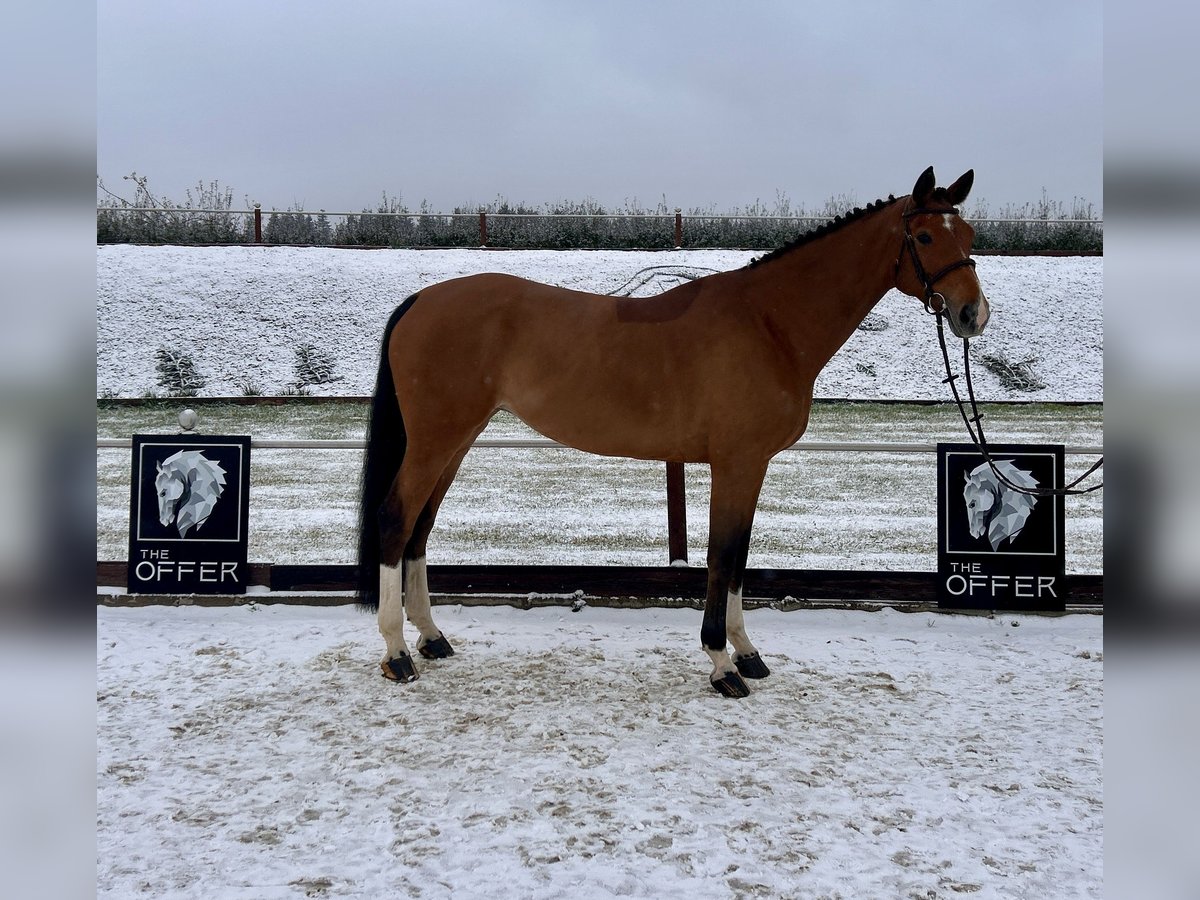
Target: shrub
[
  {"x": 137, "y": 221},
  {"x": 1045, "y": 225},
  {"x": 1015, "y": 376},
  {"x": 177, "y": 373},
  {"x": 295, "y": 226},
  {"x": 313, "y": 366}
]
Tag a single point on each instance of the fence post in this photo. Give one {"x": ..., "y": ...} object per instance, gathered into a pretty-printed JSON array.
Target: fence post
[
  {"x": 676, "y": 515},
  {"x": 257, "y": 224},
  {"x": 482, "y": 228},
  {"x": 678, "y": 228}
]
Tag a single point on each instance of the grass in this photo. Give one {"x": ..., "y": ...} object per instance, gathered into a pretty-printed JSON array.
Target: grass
[{"x": 817, "y": 509}]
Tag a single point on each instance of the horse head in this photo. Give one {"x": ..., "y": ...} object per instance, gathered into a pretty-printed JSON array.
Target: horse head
[
  {"x": 170, "y": 486},
  {"x": 935, "y": 262},
  {"x": 982, "y": 497},
  {"x": 994, "y": 508}
]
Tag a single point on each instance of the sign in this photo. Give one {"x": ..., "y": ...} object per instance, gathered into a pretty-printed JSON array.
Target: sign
[
  {"x": 999, "y": 548},
  {"x": 188, "y": 513}
]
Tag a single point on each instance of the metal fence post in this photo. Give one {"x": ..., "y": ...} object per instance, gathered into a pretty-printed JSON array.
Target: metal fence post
[
  {"x": 257, "y": 223},
  {"x": 482, "y": 228},
  {"x": 676, "y": 515},
  {"x": 678, "y": 228}
]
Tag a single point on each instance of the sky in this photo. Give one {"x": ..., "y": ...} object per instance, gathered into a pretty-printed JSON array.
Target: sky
[{"x": 700, "y": 104}]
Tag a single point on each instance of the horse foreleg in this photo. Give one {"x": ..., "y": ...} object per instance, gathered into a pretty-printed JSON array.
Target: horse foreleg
[
  {"x": 731, "y": 515},
  {"x": 725, "y": 678},
  {"x": 745, "y": 656}
]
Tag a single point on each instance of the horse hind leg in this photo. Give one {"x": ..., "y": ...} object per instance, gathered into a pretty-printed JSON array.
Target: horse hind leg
[
  {"x": 397, "y": 662},
  {"x": 414, "y": 484},
  {"x": 431, "y": 644}
]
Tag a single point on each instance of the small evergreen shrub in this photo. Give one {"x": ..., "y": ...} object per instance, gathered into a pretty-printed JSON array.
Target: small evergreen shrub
[
  {"x": 177, "y": 373},
  {"x": 313, "y": 366}
]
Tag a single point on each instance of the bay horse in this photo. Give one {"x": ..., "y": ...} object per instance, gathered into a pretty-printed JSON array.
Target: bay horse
[{"x": 718, "y": 370}]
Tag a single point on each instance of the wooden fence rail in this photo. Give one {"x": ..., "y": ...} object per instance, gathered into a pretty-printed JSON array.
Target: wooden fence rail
[
  {"x": 685, "y": 585},
  {"x": 675, "y": 481}
]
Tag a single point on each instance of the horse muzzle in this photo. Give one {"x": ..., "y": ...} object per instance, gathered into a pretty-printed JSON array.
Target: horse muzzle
[{"x": 970, "y": 318}]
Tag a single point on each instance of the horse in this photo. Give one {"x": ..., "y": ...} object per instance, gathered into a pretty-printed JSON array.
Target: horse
[
  {"x": 188, "y": 486},
  {"x": 993, "y": 507},
  {"x": 718, "y": 370}
]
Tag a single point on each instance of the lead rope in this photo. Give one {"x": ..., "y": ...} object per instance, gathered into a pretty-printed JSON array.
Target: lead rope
[{"x": 976, "y": 433}]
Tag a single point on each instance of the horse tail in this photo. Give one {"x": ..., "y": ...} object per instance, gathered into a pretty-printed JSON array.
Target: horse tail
[{"x": 386, "y": 443}]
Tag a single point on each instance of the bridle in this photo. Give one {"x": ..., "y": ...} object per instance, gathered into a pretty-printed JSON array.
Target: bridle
[
  {"x": 928, "y": 281},
  {"x": 939, "y": 311}
]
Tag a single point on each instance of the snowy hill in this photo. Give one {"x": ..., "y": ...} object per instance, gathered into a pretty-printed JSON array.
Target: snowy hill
[{"x": 241, "y": 313}]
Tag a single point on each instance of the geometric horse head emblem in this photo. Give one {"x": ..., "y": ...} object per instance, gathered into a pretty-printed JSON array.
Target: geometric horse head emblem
[
  {"x": 995, "y": 508},
  {"x": 188, "y": 487}
]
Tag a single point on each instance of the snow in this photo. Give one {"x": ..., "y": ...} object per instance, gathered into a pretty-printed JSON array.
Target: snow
[
  {"x": 256, "y": 752},
  {"x": 241, "y": 312}
]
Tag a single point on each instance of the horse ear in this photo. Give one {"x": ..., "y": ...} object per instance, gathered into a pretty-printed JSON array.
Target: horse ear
[
  {"x": 158, "y": 466},
  {"x": 958, "y": 191},
  {"x": 924, "y": 187}
]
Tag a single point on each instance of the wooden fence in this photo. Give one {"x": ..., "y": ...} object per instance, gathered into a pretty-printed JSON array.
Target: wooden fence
[
  {"x": 634, "y": 586},
  {"x": 679, "y": 583}
]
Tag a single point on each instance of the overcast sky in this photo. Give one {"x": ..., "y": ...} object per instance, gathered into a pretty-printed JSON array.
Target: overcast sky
[{"x": 328, "y": 105}]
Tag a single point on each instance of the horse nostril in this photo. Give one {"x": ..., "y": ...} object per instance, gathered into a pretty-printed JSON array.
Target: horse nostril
[{"x": 966, "y": 315}]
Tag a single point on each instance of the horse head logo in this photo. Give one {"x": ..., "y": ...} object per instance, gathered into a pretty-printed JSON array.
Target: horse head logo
[
  {"x": 188, "y": 487},
  {"x": 995, "y": 509}
]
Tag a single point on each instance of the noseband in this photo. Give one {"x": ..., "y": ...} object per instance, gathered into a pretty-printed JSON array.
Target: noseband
[{"x": 928, "y": 281}]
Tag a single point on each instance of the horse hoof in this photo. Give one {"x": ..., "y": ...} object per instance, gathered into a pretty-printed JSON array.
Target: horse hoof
[
  {"x": 751, "y": 666},
  {"x": 731, "y": 686},
  {"x": 399, "y": 669},
  {"x": 438, "y": 648}
]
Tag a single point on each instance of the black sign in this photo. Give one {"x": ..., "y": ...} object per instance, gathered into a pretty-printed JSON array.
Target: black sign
[
  {"x": 999, "y": 548},
  {"x": 188, "y": 512}
]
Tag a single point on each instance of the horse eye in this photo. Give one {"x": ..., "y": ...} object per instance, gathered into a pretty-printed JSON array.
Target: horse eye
[
  {"x": 924, "y": 238},
  {"x": 971, "y": 505}
]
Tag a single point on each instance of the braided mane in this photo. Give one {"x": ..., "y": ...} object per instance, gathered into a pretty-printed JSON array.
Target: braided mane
[{"x": 824, "y": 229}]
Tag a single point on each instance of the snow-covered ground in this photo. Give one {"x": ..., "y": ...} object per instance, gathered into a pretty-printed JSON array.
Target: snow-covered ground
[
  {"x": 254, "y": 752},
  {"x": 240, "y": 312}
]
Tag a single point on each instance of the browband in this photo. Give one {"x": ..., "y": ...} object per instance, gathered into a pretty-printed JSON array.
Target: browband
[{"x": 953, "y": 211}]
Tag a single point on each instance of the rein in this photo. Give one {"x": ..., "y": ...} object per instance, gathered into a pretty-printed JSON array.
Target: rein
[
  {"x": 976, "y": 433},
  {"x": 939, "y": 311}
]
